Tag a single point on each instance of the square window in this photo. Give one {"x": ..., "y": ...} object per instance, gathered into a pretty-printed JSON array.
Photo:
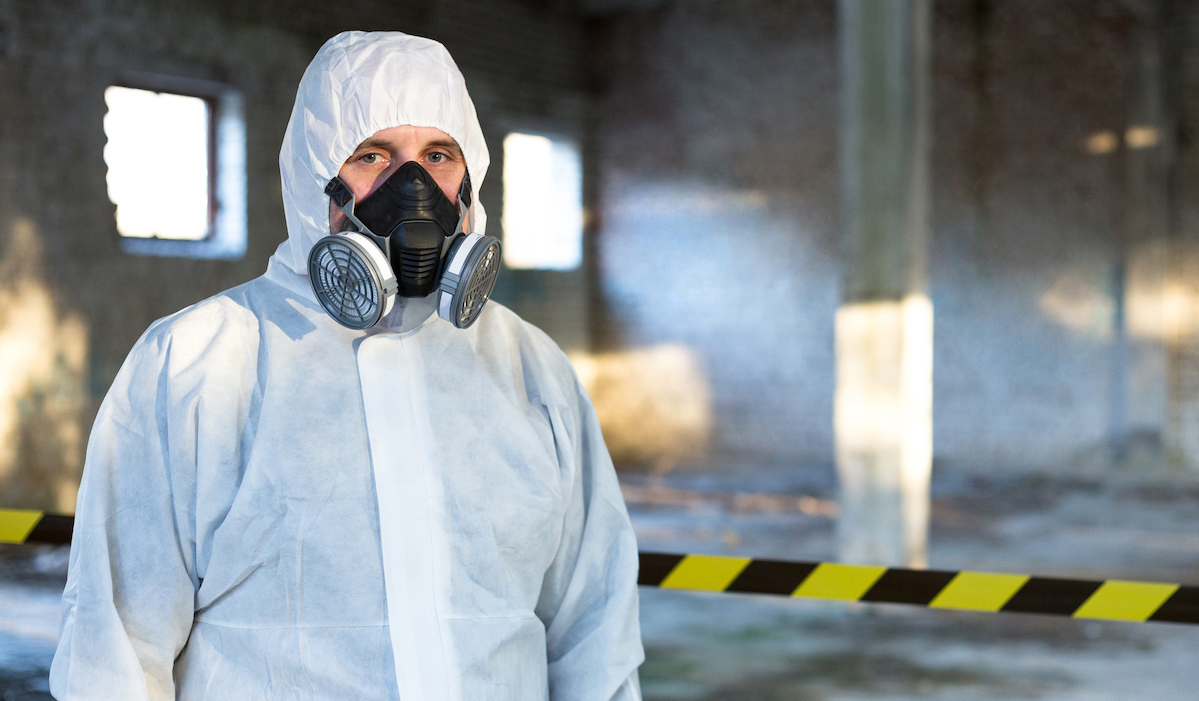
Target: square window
[
  {"x": 176, "y": 169},
  {"x": 159, "y": 155},
  {"x": 543, "y": 202}
]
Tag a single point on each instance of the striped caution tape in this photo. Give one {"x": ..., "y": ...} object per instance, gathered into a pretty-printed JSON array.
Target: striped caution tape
[
  {"x": 1114, "y": 599},
  {"x": 27, "y": 526}
]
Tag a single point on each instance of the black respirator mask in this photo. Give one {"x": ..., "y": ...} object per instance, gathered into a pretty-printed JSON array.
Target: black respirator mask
[{"x": 405, "y": 239}]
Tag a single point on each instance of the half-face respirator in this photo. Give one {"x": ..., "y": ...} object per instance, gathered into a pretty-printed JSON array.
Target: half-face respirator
[{"x": 405, "y": 239}]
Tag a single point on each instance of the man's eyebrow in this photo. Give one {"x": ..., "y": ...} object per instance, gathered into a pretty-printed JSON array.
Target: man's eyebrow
[
  {"x": 449, "y": 145},
  {"x": 372, "y": 142}
]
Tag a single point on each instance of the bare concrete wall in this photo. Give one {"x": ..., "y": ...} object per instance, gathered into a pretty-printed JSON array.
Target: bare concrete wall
[
  {"x": 71, "y": 303},
  {"x": 1027, "y": 227},
  {"x": 718, "y": 216}
]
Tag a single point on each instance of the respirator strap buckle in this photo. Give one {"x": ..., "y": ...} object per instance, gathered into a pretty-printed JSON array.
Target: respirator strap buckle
[
  {"x": 344, "y": 198},
  {"x": 338, "y": 191},
  {"x": 465, "y": 199}
]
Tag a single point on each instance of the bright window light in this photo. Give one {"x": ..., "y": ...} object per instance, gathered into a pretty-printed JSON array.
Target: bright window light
[
  {"x": 158, "y": 155},
  {"x": 543, "y": 203}
]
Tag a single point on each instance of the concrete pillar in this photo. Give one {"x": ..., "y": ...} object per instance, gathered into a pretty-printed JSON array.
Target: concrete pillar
[
  {"x": 884, "y": 327},
  {"x": 1180, "y": 29},
  {"x": 1140, "y": 358}
]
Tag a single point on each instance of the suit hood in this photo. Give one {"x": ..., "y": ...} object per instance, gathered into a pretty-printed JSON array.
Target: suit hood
[{"x": 357, "y": 84}]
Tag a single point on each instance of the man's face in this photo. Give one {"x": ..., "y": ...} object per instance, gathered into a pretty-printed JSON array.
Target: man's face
[{"x": 379, "y": 156}]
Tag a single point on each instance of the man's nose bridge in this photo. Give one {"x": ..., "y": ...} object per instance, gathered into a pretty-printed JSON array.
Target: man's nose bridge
[{"x": 396, "y": 163}]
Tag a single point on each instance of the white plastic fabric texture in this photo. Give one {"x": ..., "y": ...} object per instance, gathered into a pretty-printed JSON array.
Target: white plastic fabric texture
[{"x": 277, "y": 507}]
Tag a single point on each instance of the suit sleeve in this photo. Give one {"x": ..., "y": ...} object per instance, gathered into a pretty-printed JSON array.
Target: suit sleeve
[
  {"x": 589, "y": 597},
  {"x": 130, "y": 594}
]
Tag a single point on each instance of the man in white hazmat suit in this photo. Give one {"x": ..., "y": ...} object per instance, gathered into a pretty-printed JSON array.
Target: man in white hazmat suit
[{"x": 275, "y": 506}]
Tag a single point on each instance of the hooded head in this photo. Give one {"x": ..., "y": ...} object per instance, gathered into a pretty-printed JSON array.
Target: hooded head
[{"x": 360, "y": 83}]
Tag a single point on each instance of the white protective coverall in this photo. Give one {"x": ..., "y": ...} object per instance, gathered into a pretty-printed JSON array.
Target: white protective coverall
[{"x": 277, "y": 507}]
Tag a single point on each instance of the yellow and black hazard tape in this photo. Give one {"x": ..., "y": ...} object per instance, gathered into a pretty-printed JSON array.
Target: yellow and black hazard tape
[
  {"x": 28, "y": 526},
  {"x": 1113, "y": 599}
]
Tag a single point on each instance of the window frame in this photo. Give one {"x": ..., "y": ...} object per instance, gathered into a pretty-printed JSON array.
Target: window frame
[
  {"x": 227, "y": 192},
  {"x": 555, "y": 132}
]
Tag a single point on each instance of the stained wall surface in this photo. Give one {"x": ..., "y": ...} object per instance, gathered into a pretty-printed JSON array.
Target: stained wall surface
[
  {"x": 717, "y": 154},
  {"x": 718, "y": 222}
]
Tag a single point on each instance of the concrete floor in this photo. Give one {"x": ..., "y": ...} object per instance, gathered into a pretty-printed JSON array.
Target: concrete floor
[
  {"x": 31, "y": 582},
  {"x": 704, "y": 647},
  {"x": 714, "y": 647},
  {"x": 719, "y": 647}
]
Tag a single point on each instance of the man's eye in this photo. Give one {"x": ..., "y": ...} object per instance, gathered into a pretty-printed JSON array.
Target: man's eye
[
  {"x": 370, "y": 158},
  {"x": 436, "y": 157}
]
